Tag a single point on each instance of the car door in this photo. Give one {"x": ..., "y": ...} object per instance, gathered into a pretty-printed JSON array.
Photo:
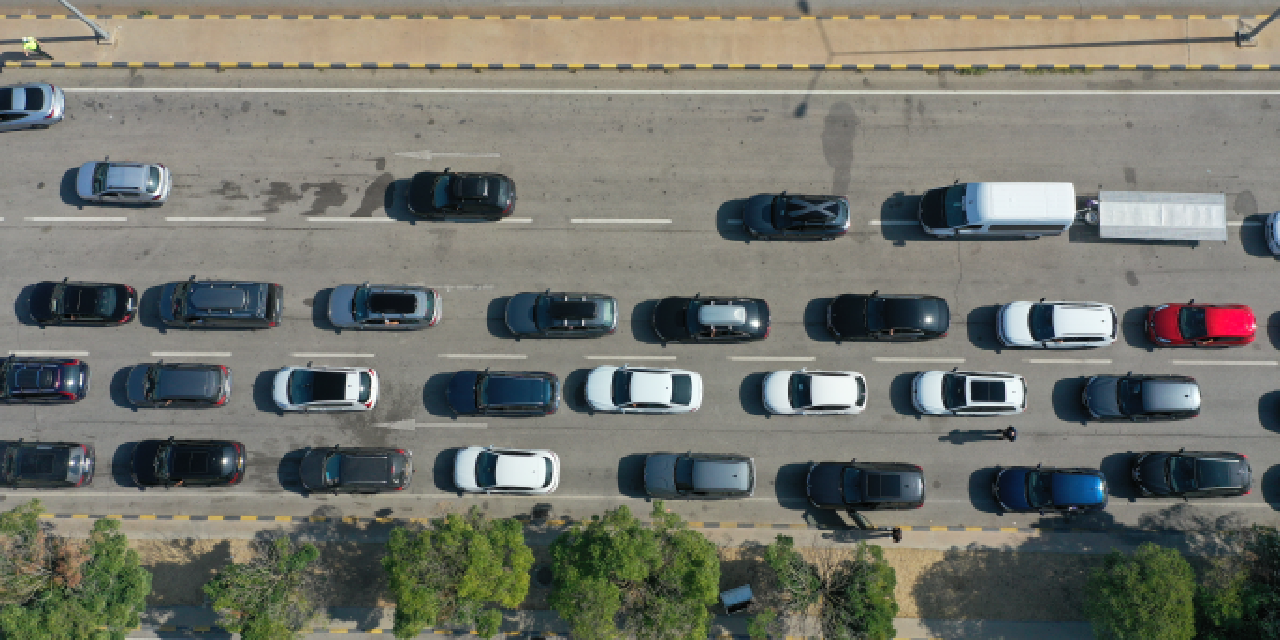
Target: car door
[{"x": 11, "y": 121}]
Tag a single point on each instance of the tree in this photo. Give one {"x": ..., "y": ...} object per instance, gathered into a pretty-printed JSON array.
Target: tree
[
  {"x": 270, "y": 597},
  {"x": 1146, "y": 595},
  {"x": 1239, "y": 595},
  {"x": 455, "y": 571},
  {"x": 615, "y": 574},
  {"x": 24, "y": 557},
  {"x": 849, "y": 590},
  {"x": 90, "y": 589}
]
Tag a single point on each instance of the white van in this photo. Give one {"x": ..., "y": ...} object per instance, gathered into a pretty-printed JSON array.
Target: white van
[{"x": 1027, "y": 209}]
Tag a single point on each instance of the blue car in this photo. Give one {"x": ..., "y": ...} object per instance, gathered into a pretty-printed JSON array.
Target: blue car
[
  {"x": 1046, "y": 489},
  {"x": 504, "y": 393}
]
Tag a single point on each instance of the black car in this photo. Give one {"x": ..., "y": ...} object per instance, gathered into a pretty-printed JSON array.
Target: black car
[
  {"x": 898, "y": 318},
  {"x": 179, "y": 386},
  {"x": 218, "y": 304},
  {"x": 504, "y": 393},
  {"x": 796, "y": 217},
  {"x": 46, "y": 465},
  {"x": 490, "y": 196},
  {"x": 187, "y": 463},
  {"x": 1141, "y": 397},
  {"x": 700, "y": 319},
  {"x": 44, "y": 380},
  {"x": 562, "y": 315},
  {"x": 356, "y": 470},
  {"x": 82, "y": 303},
  {"x": 1192, "y": 474},
  {"x": 859, "y": 486}
]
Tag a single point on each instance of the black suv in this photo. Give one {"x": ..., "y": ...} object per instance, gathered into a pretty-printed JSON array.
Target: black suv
[
  {"x": 217, "y": 304},
  {"x": 179, "y": 386},
  {"x": 504, "y": 393},
  {"x": 562, "y": 315},
  {"x": 700, "y": 319},
  {"x": 46, "y": 380},
  {"x": 796, "y": 217},
  {"x": 46, "y": 465},
  {"x": 356, "y": 470},
  {"x": 1192, "y": 474},
  {"x": 187, "y": 463},
  {"x": 861, "y": 486},
  {"x": 491, "y": 196},
  {"x": 82, "y": 303},
  {"x": 896, "y": 318}
]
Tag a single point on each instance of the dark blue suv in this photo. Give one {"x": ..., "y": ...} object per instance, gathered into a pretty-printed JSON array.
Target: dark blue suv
[
  {"x": 1047, "y": 489},
  {"x": 504, "y": 393}
]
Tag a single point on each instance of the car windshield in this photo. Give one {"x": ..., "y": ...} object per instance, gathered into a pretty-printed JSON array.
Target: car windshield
[
  {"x": 1129, "y": 394},
  {"x": 621, "y": 387},
  {"x": 953, "y": 391},
  {"x": 366, "y": 386},
  {"x": 441, "y": 195},
  {"x": 1038, "y": 489},
  {"x": 681, "y": 389},
  {"x": 953, "y": 206},
  {"x": 551, "y": 473},
  {"x": 100, "y": 177},
  {"x": 875, "y": 314},
  {"x": 684, "y": 474},
  {"x": 7, "y": 465},
  {"x": 800, "y": 390},
  {"x": 1040, "y": 321},
  {"x": 849, "y": 485},
  {"x": 153, "y": 376},
  {"x": 332, "y": 468},
  {"x": 1181, "y": 473},
  {"x": 1191, "y": 323},
  {"x": 486, "y": 469},
  {"x": 153, "y": 179}
]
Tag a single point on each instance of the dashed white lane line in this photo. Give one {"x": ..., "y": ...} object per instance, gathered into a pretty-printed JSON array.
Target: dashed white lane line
[
  {"x": 627, "y": 358},
  {"x": 1228, "y": 363},
  {"x": 77, "y": 219},
  {"x": 620, "y": 221},
  {"x": 493, "y": 356},
  {"x": 892, "y": 223},
  {"x": 409, "y": 424},
  {"x": 331, "y": 355},
  {"x": 919, "y": 360},
  {"x": 341, "y": 219},
  {"x": 1242, "y": 223},
  {"x": 50, "y": 354},
  {"x": 772, "y": 358},
  {"x": 190, "y": 354},
  {"x": 215, "y": 219},
  {"x": 516, "y": 220},
  {"x": 1067, "y": 360}
]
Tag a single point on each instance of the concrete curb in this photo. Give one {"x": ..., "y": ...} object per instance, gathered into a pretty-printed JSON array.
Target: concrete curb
[{"x": 636, "y": 67}]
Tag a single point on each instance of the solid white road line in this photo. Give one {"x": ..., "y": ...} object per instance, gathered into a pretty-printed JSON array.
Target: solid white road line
[
  {"x": 331, "y": 355},
  {"x": 409, "y": 424},
  {"x": 1208, "y": 93},
  {"x": 620, "y": 221},
  {"x": 1241, "y": 223},
  {"x": 427, "y": 155},
  {"x": 190, "y": 354},
  {"x": 494, "y": 356},
  {"x": 348, "y": 219},
  {"x": 50, "y": 354},
  {"x": 516, "y": 220},
  {"x": 630, "y": 357},
  {"x": 1067, "y": 360},
  {"x": 77, "y": 219},
  {"x": 1229, "y": 363},
  {"x": 907, "y": 359},
  {"x": 215, "y": 219},
  {"x": 892, "y": 223},
  {"x": 772, "y": 358}
]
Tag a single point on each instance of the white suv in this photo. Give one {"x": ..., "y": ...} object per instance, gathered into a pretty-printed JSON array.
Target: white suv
[
  {"x": 1057, "y": 325},
  {"x": 969, "y": 393}
]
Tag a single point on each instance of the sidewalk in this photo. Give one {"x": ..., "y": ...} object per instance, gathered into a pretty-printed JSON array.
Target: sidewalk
[{"x": 844, "y": 42}]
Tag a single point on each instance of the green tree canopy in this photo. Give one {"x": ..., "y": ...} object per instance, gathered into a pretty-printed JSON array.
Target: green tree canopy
[
  {"x": 653, "y": 582},
  {"x": 1239, "y": 596},
  {"x": 1146, "y": 595},
  {"x": 456, "y": 571},
  {"x": 270, "y": 597}
]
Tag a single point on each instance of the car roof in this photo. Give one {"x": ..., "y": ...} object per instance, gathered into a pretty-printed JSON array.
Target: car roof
[
  {"x": 1226, "y": 321},
  {"x": 516, "y": 389},
  {"x": 520, "y": 469},
  {"x": 207, "y": 296},
  {"x": 831, "y": 388},
  {"x": 1163, "y": 394},
  {"x": 1071, "y": 487},
  {"x": 365, "y": 467},
  {"x": 992, "y": 388},
  {"x": 722, "y": 315},
  {"x": 650, "y": 387},
  {"x": 892, "y": 486},
  {"x": 201, "y": 459},
  {"x": 924, "y": 312},
  {"x": 126, "y": 176},
  {"x": 183, "y": 382},
  {"x": 721, "y": 474},
  {"x": 1082, "y": 319}
]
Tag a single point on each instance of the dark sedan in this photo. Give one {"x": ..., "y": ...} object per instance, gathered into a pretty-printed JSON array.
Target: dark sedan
[
  {"x": 82, "y": 303},
  {"x": 1142, "y": 397},
  {"x": 796, "y": 217},
  {"x": 859, "y": 486},
  {"x": 356, "y": 470},
  {"x": 46, "y": 465},
  {"x": 504, "y": 393},
  {"x": 888, "y": 317},
  {"x": 1192, "y": 474},
  {"x": 43, "y": 380},
  {"x": 561, "y": 315},
  {"x": 487, "y": 196},
  {"x": 699, "y": 476},
  {"x": 1046, "y": 489},
  {"x": 179, "y": 386},
  {"x": 187, "y": 463},
  {"x": 710, "y": 319}
]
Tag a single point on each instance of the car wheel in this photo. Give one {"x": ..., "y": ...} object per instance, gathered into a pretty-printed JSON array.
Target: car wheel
[{"x": 41, "y": 126}]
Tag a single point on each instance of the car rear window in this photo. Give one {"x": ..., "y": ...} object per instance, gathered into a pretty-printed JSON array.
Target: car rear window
[
  {"x": 366, "y": 386},
  {"x": 35, "y": 99},
  {"x": 392, "y": 303},
  {"x": 681, "y": 389},
  {"x": 153, "y": 179},
  {"x": 6, "y": 99}
]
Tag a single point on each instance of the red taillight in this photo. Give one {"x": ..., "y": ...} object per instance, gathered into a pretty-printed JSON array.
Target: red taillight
[
  {"x": 66, "y": 394},
  {"x": 155, "y": 197},
  {"x": 273, "y": 324},
  {"x": 221, "y": 401},
  {"x": 400, "y": 451},
  {"x": 943, "y": 335},
  {"x": 125, "y": 318},
  {"x": 767, "y": 330},
  {"x": 400, "y": 488},
  {"x": 511, "y": 204}
]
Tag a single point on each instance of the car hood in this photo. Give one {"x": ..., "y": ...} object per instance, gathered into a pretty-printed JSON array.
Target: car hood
[
  {"x": 1102, "y": 396},
  {"x": 824, "y": 483},
  {"x": 1151, "y": 473},
  {"x": 848, "y": 314},
  {"x": 462, "y": 391},
  {"x": 280, "y": 387},
  {"x": 340, "y": 305},
  {"x": 41, "y": 302},
  {"x": 1164, "y": 322},
  {"x": 1230, "y": 323},
  {"x": 311, "y": 469},
  {"x": 671, "y": 318},
  {"x": 136, "y": 386},
  {"x": 520, "y": 313},
  {"x": 1011, "y": 488},
  {"x": 757, "y": 213},
  {"x": 1013, "y": 323},
  {"x": 928, "y": 391},
  {"x": 84, "y": 180},
  {"x": 599, "y": 388},
  {"x": 660, "y": 473},
  {"x": 776, "y": 392},
  {"x": 1079, "y": 489},
  {"x": 464, "y": 468},
  {"x": 144, "y": 461},
  {"x": 166, "y": 301}
]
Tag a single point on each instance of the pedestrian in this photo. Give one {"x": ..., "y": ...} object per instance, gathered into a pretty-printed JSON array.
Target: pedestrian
[
  {"x": 31, "y": 46},
  {"x": 897, "y": 535},
  {"x": 1009, "y": 433}
]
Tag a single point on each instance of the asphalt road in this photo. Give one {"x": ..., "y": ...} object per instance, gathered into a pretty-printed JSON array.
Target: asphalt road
[{"x": 306, "y": 189}]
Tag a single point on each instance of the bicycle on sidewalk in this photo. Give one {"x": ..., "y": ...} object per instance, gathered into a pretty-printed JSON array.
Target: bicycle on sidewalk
[{"x": 31, "y": 49}]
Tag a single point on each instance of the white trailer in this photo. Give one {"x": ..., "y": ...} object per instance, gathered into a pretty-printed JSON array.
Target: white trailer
[{"x": 1145, "y": 215}]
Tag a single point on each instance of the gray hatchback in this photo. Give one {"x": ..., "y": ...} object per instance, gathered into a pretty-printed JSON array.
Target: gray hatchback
[
  {"x": 699, "y": 475},
  {"x": 124, "y": 183},
  {"x": 179, "y": 386},
  {"x": 384, "y": 306},
  {"x": 37, "y": 105},
  {"x": 1142, "y": 397}
]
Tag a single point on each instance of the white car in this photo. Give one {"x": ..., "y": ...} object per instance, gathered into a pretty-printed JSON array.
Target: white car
[
  {"x": 629, "y": 389},
  {"x": 969, "y": 393},
  {"x": 815, "y": 393},
  {"x": 1057, "y": 324},
  {"x": 325, "y": 389},
  {"x": 1272, "y": 229},
  {"x": 124, "y": 183},
  {"x": 495, "y": 470}
]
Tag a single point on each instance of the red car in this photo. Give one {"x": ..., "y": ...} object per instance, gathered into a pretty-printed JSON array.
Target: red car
[{"x": 1201, "y": 325}]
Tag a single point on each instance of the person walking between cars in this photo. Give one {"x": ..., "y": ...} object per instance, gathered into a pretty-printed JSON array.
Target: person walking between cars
[
  {"x": 31, "y": 47},
  {"x": 1008, "y": 433}
]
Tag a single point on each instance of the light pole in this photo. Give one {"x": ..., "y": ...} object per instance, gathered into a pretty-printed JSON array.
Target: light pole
[
  {"x": 1246, "y": 38},
  {"x": 103, "y": 36}
]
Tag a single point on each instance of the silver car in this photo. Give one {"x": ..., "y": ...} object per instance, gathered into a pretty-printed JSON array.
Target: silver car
[
  {"x": 124, "y": 183},
  {"x": 31, "y": 106},
  {"x": 384, "y": 307}
]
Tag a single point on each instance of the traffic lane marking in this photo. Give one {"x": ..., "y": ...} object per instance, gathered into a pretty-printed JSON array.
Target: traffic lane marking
[
  {"x": 1228, "y": 363},
  {"x": 76, "y": 219},
  {"x": 50, "y": 354},
  {"x": 630, "y": 357},
  {"x": 620, "y": 221},
  {"x": 215, "y": 219},
  {"x": 348, "y": 219},
  {"x": 190, "y": 354}
]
